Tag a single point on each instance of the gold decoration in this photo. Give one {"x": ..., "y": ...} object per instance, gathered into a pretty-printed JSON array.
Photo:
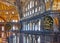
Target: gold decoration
[{"x": 8, "y": 26}]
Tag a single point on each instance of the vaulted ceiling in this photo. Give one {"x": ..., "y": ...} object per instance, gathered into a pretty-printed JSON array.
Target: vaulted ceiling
[{"x": 8, "y": 12}]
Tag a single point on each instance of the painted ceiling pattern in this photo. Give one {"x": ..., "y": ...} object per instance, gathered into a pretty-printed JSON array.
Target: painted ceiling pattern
[{"x": 8, "y": 12}]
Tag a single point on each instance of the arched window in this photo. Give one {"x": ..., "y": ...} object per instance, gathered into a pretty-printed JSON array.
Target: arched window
[
  {"x": 39, "y": 8},
  {"x": 14, "y": 27},
  {"x": 14, "y": 38},
  {"x": 36, "y": 26},
  {"x": 28, "y": 6},
  {"x": 36, "y": 9},
  {"x": 26, "y": 9},
  {"x": 31, "y": 4},
  {"x": 2, "y": 28},
  {"x": 36, "y": 3},
  {"x": 28, "y": 26},
  {"x": 32, "y": 10},
  {"x": 30, "y": 13},
  {"x": 39, "y": 39},
  {"x": 33, "y": 26},
  {"x": 39, "y": 25}
]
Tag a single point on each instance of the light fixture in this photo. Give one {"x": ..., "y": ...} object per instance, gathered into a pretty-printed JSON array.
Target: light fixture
[
  {"x": 13, "y": 12},
  {"x": 6, "y": 12}
]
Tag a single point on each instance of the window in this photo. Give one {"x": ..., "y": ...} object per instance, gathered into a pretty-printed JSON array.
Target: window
[
  {"x": 26, "y": 9},
  {"x": 28, "y": 6},
  {"x": 14, "y": 34},
  {"x": 2, "y": 28},
  {"x": 36, "y": 26},
  {"x": 39, "y": 25},
  {"x": 28, "y": 26},
  {"x": 24, "y": 39},
  {"x": 39, "y": 8},
  {"x": 36, "y": 3},
  {"x": 18, "y": 37},
  {"x": 39, "y": 40},
  {"x": 24, "y": 15},
  {"x": 32, "y": 3},
  {"x": 42, "y": 9},
  {"x": 30, "y": 12},
  {"x": 2, "y": 34},
  {"x": 35, "y": 9},
  {"x": 24, "y": 26},
  {"x": 14, "y": 38},
  {"x": 33, "y": 24},
  {"x": 14, "y": 28},
  {"x": 28, "y": 39},
  {"x": 16, "y": 20}
]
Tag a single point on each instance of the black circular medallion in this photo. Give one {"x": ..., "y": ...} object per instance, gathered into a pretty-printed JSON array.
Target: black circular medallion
[{"x": 47, "y": 22}]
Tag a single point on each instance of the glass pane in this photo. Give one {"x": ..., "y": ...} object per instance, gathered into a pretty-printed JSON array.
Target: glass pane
[
  {"x": 36, "y": 9},
  {"x": 39, "y": 25},
  {"x": 39, "y": 39},
  {"x": 36, "y": 3}
]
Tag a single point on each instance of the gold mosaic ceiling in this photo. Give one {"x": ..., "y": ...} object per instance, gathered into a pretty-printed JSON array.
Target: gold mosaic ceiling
[{"x": 8, "y": 12}]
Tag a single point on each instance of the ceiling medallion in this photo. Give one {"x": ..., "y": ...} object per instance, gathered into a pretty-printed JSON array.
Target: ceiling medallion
[{"x": 47, "y": 22}]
